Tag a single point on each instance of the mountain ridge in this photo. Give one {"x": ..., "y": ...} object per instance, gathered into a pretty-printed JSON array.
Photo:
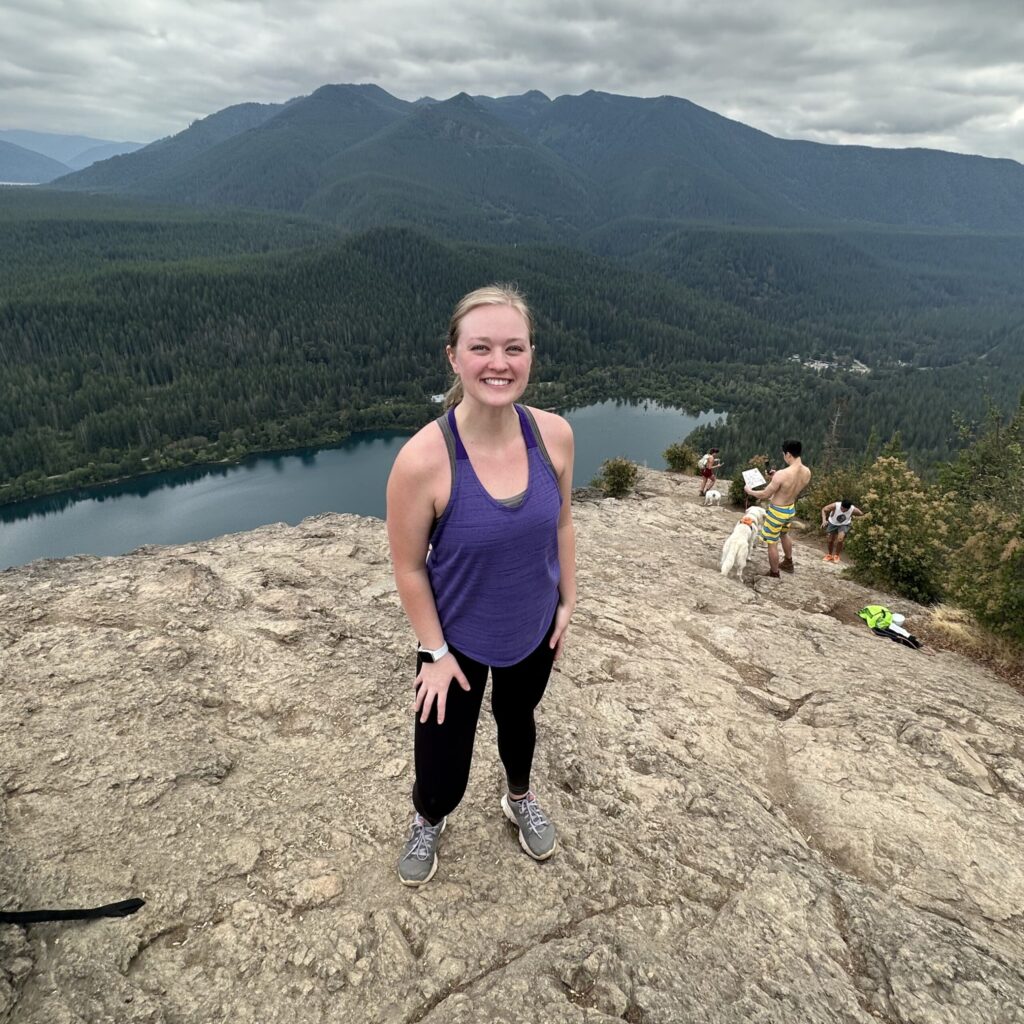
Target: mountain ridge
[
  {"x": 492, "y": 161},
  {"x": 664, "y": 157}
]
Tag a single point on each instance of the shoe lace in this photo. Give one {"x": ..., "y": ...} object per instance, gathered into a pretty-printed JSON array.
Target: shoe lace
[
  {"x": 421, "y": 845},
  {"x": 535, "y": 819}
]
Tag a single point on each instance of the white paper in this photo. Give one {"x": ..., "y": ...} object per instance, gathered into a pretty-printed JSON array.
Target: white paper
[{"x": 753, "y": 478}]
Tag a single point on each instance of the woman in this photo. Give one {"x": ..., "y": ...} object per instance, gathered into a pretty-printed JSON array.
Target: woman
[
  {"x": 480, "y": 526},
  {"x": 708, "y": 466}
]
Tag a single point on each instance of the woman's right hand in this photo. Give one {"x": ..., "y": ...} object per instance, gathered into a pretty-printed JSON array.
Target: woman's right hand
[{"x": 432, "y": 682}]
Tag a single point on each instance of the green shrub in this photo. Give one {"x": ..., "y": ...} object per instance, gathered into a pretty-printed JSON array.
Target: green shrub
[
  {"x": 987, "y": 542},
  {"x": 987, "y": 571},
  {"x": 681, "y": 457},
  {"x": 902, "y": 542},
  {"x": 990, "y": 467},
  {"x": 618, "y": 477},
  {"x": 736, "y": 493}
]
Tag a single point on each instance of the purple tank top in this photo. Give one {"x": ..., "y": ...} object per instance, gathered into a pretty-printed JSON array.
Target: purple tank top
[{"x": 493, "y": 566}]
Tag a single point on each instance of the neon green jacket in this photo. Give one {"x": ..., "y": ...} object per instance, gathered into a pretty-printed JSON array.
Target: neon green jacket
[{"x": 876, "y": 616}]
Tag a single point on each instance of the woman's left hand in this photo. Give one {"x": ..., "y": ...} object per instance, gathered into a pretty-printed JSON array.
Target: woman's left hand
[{"x": 562, "y": 616}]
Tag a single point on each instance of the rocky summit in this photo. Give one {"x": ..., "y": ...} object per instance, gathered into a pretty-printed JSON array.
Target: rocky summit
[{"x": 766, "y": 813}]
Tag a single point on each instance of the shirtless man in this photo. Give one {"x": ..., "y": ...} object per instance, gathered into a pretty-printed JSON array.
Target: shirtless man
[{"x": 783, "y": 490}]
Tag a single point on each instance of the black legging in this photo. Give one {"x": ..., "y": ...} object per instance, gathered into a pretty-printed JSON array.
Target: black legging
[{"x": 444, "y": 752}]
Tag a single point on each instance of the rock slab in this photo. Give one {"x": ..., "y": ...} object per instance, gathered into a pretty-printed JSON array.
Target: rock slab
[{"x": 765, "y": 813}]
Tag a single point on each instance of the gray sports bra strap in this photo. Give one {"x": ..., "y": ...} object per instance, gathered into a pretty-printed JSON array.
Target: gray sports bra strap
[
  {"x": 449, "y": 440},
  {"x": 540, "y": 441}
]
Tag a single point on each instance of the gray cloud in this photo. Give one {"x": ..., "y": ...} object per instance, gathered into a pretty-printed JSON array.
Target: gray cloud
[{"x": 918, "y": 73}]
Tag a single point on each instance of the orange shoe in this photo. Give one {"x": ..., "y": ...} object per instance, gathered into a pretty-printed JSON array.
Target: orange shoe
[{"x": 827, "y": 558}]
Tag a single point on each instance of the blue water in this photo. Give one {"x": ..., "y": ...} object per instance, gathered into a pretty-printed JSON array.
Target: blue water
[{"x": 202, "y": 502}]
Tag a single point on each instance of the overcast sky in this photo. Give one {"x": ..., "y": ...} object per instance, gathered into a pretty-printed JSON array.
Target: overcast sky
[{"x": 937, "y": 73}]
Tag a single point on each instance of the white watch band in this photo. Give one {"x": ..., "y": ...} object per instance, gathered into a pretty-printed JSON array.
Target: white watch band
[{"x": 434, "y": 655}]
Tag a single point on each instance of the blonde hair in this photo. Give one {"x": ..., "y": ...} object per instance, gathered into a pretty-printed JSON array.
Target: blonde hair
[{"x": 490, "y": 295}]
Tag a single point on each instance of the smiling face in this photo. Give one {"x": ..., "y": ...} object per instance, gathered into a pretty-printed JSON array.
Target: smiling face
[{"x": 492, "y": 354}]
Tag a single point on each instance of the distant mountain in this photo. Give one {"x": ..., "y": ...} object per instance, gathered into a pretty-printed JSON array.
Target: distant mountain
[
  {"x": 527, "y": 168},
  {"x": 24, "y": 166},
  {"x": 103, "y": 151},
  {"x": 279, "y": 163},
  {"x": 468, "y": 173},
  {"x": 264, "y": 156},
  {"x": 664, "y": 157},
  {"x": 669, "y": 158},
  {"x": 126, "y": 174},
  {"x": 77, "y": 151},
  {"x": 518, "y": 111}
]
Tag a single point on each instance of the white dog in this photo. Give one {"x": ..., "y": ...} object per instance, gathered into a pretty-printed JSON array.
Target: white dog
[
  {"x": 740, "y": 543},
  {"x": 713, "y": 498}
]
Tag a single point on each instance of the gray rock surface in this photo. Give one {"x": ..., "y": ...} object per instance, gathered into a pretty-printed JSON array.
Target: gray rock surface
[{"x": 766, "y": 814}]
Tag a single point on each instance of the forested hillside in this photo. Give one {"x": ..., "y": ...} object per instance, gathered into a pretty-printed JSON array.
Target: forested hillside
[
  {"x": 278, "y": 275},
  {"x": 924, "y": 299},
  {"x": 136, "y": 338}
]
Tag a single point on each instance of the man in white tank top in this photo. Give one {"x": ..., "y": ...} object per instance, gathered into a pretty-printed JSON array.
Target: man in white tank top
[{"x": 837, "y": 518}]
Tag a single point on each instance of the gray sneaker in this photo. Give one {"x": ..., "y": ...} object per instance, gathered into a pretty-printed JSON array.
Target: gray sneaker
[
  {"x": 418, "y": 862},
  {"x": 536, "y": 833}
]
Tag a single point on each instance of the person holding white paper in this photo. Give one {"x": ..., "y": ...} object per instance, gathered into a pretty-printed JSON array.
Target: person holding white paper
[{"x": 785, "y": 487}]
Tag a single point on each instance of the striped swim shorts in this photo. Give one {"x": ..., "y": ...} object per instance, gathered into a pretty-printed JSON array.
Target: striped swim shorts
[{"x": 776, "y": 522}]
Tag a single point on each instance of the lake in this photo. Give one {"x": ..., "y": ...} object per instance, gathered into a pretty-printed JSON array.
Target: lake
[{"x": 202, "y": 502}]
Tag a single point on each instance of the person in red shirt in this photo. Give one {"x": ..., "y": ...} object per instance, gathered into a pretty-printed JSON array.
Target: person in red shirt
[{"x": 708, "y": 466}]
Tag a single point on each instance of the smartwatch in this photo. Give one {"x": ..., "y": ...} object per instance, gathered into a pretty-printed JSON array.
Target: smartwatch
[{"x": 429, "y": 655}]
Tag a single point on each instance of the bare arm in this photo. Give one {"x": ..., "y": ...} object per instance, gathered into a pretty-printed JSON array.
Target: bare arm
[
  {"x": 768, "y": 490},
  {"x": 410, "y": 516},
  {"x": 566, "y": 552},
  {"x": 561, "y": 447},
  {"x": 825, "y": 509}
]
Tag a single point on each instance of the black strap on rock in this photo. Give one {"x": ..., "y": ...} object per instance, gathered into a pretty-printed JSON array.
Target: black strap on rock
[
  {"x": 124, "y": 908},
  {"x": 908, "y": 641}
]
